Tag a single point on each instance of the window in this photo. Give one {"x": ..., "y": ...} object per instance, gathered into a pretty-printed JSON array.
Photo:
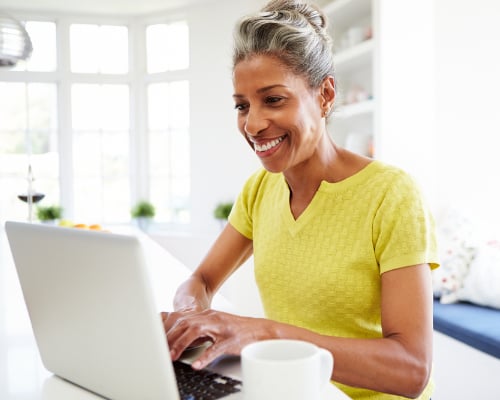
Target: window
[
  {"x": 28, "y": 127},
  {"x": 44, "y": 56},
  {"x": 101, "y": 184},
  {"x": 168, "y": 122},
  {"x": 99, "y": 49},
  {"x": 28, "y": 136},
  {"x": 94, "y": 148},
  {"x": 168, "y": 119},
  {"x": 167, "y": 47}
]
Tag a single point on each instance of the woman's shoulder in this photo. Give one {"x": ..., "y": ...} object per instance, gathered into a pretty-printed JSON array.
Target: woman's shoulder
[
  {"x": 389, "y": 173},
  {"x": 261, "y": 177}
]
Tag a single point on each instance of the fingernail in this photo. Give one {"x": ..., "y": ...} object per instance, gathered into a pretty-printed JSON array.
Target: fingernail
[{"x": 196, "y": 365}]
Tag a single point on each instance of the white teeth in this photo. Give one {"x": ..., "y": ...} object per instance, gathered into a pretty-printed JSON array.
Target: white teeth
[{"x": 269, "y": 145}]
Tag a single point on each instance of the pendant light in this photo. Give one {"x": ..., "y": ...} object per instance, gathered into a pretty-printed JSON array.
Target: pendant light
[{"x": 15, "y": 43}]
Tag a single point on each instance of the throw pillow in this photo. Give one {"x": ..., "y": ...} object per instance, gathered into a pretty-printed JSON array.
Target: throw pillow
[
  {"x": 457, "y": 246},
  {"x": 482, "y": 284}
]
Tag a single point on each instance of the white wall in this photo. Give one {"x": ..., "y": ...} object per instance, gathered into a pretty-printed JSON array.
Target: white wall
[
  {"x": 221, "y": 159},
  {"x": 405, "y": 115},
  {"x": 468, "y": 106}
]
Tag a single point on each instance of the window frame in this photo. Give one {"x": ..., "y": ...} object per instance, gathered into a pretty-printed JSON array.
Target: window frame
[{"x": 136, "y": 78}]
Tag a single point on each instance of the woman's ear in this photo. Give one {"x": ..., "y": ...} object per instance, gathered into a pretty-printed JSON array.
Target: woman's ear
[{"x": 327, "y": 95}]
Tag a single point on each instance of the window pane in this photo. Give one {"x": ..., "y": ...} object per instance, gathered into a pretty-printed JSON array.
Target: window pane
[
  {"x": 157, "y": 109},
  {"x": 85, "y": 106},
  {"x": 28, "y": 124},
  {"x": 116, "y": 200},
  {"x": 84, "y": 54},
  {"x": 43, "y": 38},
  {"x": 157, "y": 57},
  {"x": 167, "y": 47},
  {"x": 88, "y": 200},
  {"x": 178, "y": 104},
  {"x": 42, "y": 117},
  {"x": 169, "y": 169},
  {"x": 159, "y": 147},
  {"x": 99, "y": 49},
  {"x": 114, "y": 49},
  {"x": 115, "y": 155},
  {"x": 115, "y": 106},
  {"x": 100, "y": 106},
  {"x": 44, "y": 55},
  {"x": 178, "y": 46},
  {"x": 27, "y": 116},
  {"x": 101, "y": 152},
  {"x": 12, "y": 106},
  {"x": 179, "y": 160},
  {"x": 101, "y": 176},
  {"x": 87, "y": 154},
  {"x": 168, "y": 105}
]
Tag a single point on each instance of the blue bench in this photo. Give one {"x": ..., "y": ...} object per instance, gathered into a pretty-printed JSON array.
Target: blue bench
[{"x": 474, "y": 325}]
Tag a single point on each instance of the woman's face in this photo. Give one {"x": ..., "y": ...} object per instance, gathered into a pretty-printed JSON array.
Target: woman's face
[{"x": 280, "y": 116}]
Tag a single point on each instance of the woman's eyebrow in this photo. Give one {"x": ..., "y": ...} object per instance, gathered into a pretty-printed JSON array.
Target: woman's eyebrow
[{"x": 261, "y": 90}]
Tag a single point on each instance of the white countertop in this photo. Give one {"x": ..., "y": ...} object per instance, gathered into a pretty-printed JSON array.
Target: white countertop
[{"x": 22, "y": 374}]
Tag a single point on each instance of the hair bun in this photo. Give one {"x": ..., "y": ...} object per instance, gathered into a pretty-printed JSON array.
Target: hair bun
[{"x": 312, "y": 14}]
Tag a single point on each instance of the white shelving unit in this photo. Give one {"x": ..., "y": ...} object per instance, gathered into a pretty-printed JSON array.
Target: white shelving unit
[
  {"x": 384, "y": 59},
  {"x": 351, "y": 26}
]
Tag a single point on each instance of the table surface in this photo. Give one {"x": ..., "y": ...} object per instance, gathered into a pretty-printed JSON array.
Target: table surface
[{"x": 22, "y": 374}]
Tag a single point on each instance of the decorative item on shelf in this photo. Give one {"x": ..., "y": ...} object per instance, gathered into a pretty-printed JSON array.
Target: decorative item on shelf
[
  {"x": 222, "y": 211},
  {"x": 31, "y": 196},
  {"x": 355, "y": 35},
  {"x": 49, "y": 214},
  {"x": 356, "y": 94},
  {"x": 143, "y": 212},
  {"x": 15, "y": 43}
]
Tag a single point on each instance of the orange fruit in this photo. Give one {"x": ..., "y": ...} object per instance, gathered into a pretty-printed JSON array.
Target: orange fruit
[{"x": 80, "y": 226}]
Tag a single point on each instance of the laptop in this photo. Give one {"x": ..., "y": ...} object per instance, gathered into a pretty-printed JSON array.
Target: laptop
[{"x": 92, "y": 311}]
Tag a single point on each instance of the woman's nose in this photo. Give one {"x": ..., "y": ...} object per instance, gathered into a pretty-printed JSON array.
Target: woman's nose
[{"x": 255, "y": 122}]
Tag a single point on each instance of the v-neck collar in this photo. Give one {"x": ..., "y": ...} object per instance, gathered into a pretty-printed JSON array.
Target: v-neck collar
[{"x": 293, "y": 225}]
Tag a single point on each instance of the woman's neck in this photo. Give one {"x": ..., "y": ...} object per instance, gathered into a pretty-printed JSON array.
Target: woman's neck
[{"x": 330, "y": 163}]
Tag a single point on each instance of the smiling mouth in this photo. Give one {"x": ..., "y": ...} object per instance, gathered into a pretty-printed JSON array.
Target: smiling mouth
[{"x": 262, "y": 147}]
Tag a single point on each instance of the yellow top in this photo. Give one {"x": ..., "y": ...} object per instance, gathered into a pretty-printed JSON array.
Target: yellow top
[{"x": 322, "y": 271}]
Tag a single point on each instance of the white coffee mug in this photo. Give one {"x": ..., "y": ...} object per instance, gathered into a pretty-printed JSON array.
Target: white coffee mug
[{"x": 282, "y": 369}]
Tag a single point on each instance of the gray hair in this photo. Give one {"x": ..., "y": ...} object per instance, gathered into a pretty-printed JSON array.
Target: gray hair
[{"x": 294, "y": 32}]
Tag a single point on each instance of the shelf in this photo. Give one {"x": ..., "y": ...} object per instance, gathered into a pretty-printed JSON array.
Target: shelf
[
  {"x": 355, "y": 109},
  {"x": 351, "y": 25},
  {"x": 343, "y": 13},
  {"x": 355, "y": 56}
]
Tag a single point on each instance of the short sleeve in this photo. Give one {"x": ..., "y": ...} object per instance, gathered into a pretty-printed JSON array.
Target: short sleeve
[
  {"x": 404, "y": 228},
  {"x": 241, "y": 216}
]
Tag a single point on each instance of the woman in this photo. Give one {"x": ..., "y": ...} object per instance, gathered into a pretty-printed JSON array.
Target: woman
[{"x": 343, "y": 245}]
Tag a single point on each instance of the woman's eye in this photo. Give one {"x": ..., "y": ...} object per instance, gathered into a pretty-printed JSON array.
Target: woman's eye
[
  {"x": 273, "y": 99},
  {"x": 240, "y": 106}
]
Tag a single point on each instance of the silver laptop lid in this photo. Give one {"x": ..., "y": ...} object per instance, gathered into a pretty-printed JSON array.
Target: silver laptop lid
[{"x": 92, "y": 311}]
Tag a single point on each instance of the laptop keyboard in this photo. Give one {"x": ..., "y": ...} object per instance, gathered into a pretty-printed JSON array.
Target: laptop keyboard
[{"x": 203, "y": 384}]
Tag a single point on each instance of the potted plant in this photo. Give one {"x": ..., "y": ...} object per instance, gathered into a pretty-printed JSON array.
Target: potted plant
[
  {"x": 222, "y": 211},
  {"x": 49, "y": 213},
  {"x": 143, "y": 211}
]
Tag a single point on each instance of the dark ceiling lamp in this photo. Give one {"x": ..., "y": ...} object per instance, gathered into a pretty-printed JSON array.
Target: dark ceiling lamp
[{"x": 15, "y": 43}]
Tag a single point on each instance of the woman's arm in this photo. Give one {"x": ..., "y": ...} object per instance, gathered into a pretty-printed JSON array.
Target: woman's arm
[
  {"x": 399, "y": 362},
  {"x": 227, "y": 253}
]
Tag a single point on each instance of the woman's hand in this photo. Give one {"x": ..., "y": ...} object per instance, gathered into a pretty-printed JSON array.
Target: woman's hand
[{"x": 228, "y": 333}]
